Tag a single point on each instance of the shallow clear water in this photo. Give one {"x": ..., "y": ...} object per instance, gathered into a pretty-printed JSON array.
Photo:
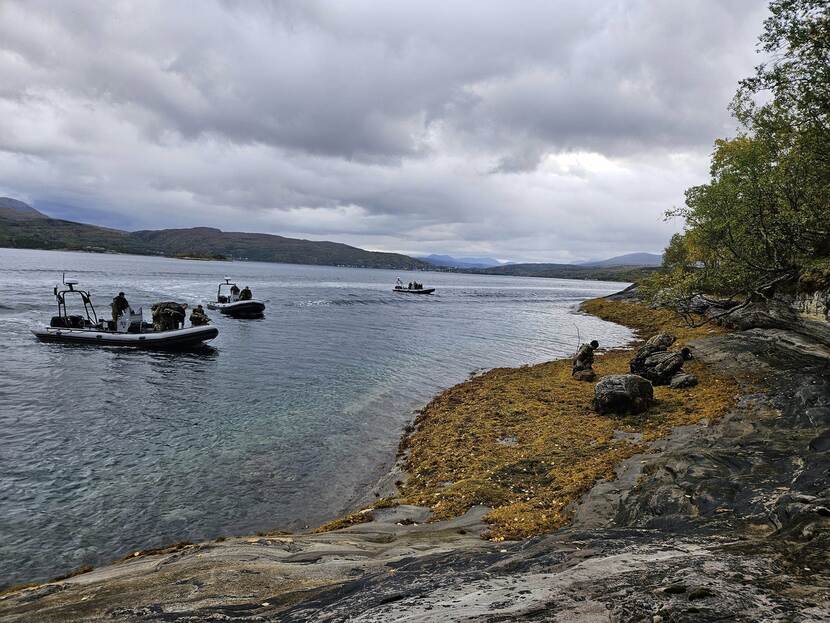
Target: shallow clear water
[{"x": 284, "y": 423}]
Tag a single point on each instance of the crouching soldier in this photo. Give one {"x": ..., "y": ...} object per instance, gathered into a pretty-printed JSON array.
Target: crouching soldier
[
  {"x": 168, "y": 315},
  {"x": 656, "y": 344},
  {"x": 582, "y": 367},
  {"x": 198, "y": 317},
  {"x": 659, "y": 368}
]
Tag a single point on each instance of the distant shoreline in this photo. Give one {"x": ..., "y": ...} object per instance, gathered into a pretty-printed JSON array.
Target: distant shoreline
[{"x": 591, "y": 275}]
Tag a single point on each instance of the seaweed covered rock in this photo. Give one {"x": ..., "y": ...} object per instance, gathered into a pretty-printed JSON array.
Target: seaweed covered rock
[{"x": 622, "y": 393}]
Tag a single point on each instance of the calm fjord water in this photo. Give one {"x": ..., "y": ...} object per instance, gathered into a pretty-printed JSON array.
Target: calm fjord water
[{"x": 284, "y": 423}]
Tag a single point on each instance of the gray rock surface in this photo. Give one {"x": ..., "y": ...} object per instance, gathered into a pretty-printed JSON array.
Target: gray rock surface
[
  {"x": 726, "y": 521},
  {"x": 800, "y": 314},
  {"x": 622, "y": 393},
  {"x": 682, "y": 380}
]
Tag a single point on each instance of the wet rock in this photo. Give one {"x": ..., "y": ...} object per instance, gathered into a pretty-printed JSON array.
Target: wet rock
[
  {"x": 701, "y": 592},
  {"x": 821, "y": 443},
  {"x": 631, "y": 294},
  {"x": 585, "y": 375},
  {"x": 682, "y": 380},
  {"x": 675, "y": 589},
  {"x": 622, "y": 393}
]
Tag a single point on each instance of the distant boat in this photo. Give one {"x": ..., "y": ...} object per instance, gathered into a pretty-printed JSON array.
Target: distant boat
[
  {"x": 228, "y": 302},
  {"x": 400, "y": 289},
  {"x": 130, "y": 330}
]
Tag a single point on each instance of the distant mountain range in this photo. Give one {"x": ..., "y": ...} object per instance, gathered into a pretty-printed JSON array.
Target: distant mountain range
[
  {"x": 570, "y": 271},
  {"x": 21, "y": 226},
  {"x": 448, "y": 261},
  {"x": 629, "y": 259},
  {"x": 630, "y": 267}
]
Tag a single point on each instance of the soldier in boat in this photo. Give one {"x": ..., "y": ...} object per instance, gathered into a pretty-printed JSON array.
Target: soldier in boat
[
  {"x": 119, "y": 306},
  {"x": 246, "y": 294},
  {"x": 168, "y": 315},
  {"x": 198, "y": 317}
]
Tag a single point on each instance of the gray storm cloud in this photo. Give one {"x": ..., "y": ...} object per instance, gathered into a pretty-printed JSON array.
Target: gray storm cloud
[{"x": 526, "y": 130}]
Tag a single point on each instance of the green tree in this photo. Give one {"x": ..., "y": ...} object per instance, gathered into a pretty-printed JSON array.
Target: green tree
[{"x": 765, "y": 213}]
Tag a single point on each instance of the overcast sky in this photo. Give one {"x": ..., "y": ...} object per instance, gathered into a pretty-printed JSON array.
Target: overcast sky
[{"x": 552, "y": 130}]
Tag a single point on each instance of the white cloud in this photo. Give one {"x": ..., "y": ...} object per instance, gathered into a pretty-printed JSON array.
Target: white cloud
[{"x": 533, "y": 130}]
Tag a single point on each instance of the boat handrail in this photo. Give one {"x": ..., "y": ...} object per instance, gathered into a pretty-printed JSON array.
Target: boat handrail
[{"x": 86, "y": 299}]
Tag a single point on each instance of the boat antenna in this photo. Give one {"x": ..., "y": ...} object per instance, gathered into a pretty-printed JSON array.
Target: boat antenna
[{"x": 63, "y": 277}]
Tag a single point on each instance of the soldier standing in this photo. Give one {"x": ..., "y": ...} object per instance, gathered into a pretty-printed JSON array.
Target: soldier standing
[{"x": 119, "y": 305}]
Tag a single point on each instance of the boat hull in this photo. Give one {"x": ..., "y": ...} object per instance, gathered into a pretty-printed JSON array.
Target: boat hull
[
  {"x": 163, "y": 340},
  {"x": 414, "y": 291},
  {"x": 239, "y": 309}
]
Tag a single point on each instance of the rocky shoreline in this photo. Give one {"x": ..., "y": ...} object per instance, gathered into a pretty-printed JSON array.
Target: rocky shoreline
[{"x": 725, "y": 520}]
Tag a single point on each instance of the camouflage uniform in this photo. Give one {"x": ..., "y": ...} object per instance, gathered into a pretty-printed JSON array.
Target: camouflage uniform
[
  {"x": 584, "y": 358},
  {"x": 246, "y": 294},
  {"x": 168, "y": 315},
  {"x": 656, "y": 344},
  {"x": 198, "y": 317},
  {"x": 119, "y": 305},
  {"x": 659, "y": 368}
]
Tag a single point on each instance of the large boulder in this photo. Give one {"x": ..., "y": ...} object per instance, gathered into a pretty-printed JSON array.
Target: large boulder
[{"x": 622, "y": 393}]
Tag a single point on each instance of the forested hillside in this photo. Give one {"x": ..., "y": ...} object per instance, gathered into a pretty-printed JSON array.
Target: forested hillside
[{"x": 23, "y": 227}]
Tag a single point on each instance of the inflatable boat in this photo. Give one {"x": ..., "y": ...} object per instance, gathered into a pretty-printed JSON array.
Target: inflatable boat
[
  {"x": 173, "y": 339},
  {"x": 228, "y": 302},
  {"x": 401, "y": 289},
  {"x": 130, "y": 330}
]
